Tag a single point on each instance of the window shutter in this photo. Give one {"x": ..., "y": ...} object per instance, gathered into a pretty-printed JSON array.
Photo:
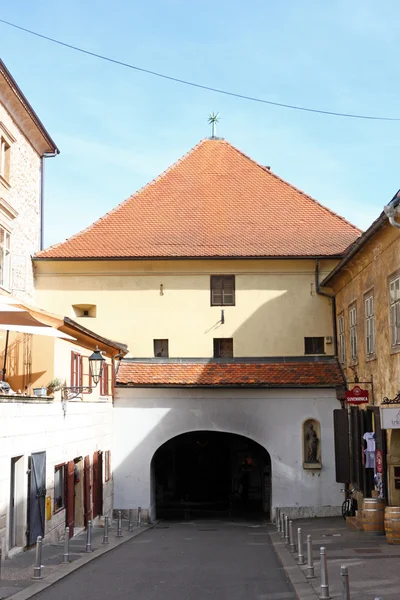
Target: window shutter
[
  {"x": 110, "y": 382},
  {"x": 393, "y": 323},
  {"x": 95, "y": 488},
  {"x": 72, "y": 380},
  {"x": 86, "y": 378},
  {"x": 342, "y": 449}
]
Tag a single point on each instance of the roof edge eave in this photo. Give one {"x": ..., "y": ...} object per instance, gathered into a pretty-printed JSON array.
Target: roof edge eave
[{"x": 337, "y": 256}]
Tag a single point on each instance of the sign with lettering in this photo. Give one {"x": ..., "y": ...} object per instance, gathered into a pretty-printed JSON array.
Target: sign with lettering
[
  {"x": 357, "y": 396},
  {"x": 390, "y": 418}
]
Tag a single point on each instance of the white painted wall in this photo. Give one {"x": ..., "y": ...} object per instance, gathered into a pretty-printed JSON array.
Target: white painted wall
[
  {"x": 34, "y": 426},
  {"x": 144, "y": 419}
]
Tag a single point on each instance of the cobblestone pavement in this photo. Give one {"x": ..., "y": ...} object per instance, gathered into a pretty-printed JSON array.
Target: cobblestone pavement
[{"x": 373, "y": 564}]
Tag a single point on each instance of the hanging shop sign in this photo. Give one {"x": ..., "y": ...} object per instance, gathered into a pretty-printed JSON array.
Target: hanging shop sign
[
  {"x": 390, "y": 418},
  {"x": 357, "y": 396}
]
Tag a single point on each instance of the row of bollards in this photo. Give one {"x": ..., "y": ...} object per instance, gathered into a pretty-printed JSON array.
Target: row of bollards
[
  {"x": 37, "y": 570},
  {"x": 284, "y": 527}
]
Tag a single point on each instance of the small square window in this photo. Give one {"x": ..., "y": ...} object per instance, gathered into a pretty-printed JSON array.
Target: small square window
[
  {"x": 223, "y": 347},
  {"x": 222, "y": 290},
  {"x": 59, "y": 473},
  {"x": 314, "y": 345},
  {"x": 161, "y": 348}
]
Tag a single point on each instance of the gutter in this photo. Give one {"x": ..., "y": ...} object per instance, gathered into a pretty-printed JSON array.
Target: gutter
[{"x": 332, "y": 297}]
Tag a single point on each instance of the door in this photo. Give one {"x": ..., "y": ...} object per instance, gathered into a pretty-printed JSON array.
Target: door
[
  {"x": 87, "y": 512},
  {"x": 97, "y": 490},
  {"x": 37, "y": 496},
  {"x": 70, "y": 495},
  {"x": 16, "y": 520}
]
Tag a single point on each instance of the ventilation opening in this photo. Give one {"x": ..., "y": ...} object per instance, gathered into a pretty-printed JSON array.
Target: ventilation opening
[{"x": 84, "y": 310}]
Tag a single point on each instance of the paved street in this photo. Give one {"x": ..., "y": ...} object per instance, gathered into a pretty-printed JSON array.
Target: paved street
[{"x": 183, "y": 561}]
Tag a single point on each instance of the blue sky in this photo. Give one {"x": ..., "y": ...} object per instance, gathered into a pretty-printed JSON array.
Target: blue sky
[{"x": 117, "y": 128}]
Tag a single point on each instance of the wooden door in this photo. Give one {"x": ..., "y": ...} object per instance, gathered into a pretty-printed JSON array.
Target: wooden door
[{"x": 70, "y": 496}]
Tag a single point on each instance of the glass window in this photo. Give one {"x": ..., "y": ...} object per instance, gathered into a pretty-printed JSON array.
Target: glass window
[
  {"x": 342, "y": 341},
  {"x": 161, "y": 348},
  {"x": 223, "y": 348},
  {"x": 222, "y": 290},
  {"x": 369, "y": 325},
  {"x": 353, "y": 332},
  {"x": 314, "y": 345},
  {"x": 59, "y": 487},
  {"x": 395, "y": 311}
]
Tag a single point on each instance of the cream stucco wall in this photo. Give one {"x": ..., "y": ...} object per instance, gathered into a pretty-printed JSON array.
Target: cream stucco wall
[
  {"x": 36, "y": 426},
  {"x": 276, "y": 303},
  {"x": 23, "y": 196}
]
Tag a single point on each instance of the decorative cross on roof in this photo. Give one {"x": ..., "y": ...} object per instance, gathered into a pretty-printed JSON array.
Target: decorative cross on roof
[{"x": 213, "y": 119}]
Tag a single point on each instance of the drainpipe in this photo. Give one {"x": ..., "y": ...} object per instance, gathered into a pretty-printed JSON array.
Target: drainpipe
[
  {"x": 391, "y": 212},
  {"x": 41, "y": 199},
  {"x": 332, "y": 297}
]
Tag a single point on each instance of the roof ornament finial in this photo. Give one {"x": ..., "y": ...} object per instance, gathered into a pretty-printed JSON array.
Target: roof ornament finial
[{"x": 213, "y": 119}]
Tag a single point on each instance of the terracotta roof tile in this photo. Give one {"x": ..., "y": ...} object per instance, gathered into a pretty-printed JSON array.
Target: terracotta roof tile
[
  {"x": 279, "y": 374},
  {"x": 213, "y": 202}
]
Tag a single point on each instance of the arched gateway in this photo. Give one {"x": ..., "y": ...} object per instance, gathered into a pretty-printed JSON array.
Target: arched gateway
[{"x": 209, "y": 473}]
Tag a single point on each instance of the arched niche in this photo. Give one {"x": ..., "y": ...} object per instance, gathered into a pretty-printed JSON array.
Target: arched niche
[{"x": 311, "y": 436}]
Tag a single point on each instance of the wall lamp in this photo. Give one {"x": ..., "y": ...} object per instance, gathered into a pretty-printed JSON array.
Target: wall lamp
[{"x": 96, "y": 365}]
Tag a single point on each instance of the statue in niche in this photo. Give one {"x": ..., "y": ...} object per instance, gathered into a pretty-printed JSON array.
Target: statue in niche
[{"x": 312, "y": 444}]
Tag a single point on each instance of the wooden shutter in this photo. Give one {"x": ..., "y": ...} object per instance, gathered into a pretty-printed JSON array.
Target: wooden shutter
[
  {"x": 95, "y": 484},
  {"x": 70, "y": 497},
  {"x": 342, "y": 449},
  {"x": 110, "y": 379},
  {"x": 86, "y": 495}
]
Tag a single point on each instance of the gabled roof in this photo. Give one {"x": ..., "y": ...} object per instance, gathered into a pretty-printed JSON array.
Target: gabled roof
[
  {"x": 321, "y": 374},
  {"x": 11, "y": 96},
  {"x": 215, "y": 202}
]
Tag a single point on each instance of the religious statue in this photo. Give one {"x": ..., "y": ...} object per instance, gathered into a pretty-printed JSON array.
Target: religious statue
[{"x": 312, "y": 444}]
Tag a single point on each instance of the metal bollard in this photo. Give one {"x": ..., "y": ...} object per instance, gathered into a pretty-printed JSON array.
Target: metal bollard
[
  {"x": 105, "y": 532},
  {"x": 344, "y": 574},
  {"x": 300, "y": 553},
  {"x": 310, "y": 563},
  {"x": 282, "y": 525},
  {"x": 278, "y": 520},
  {"x": 37, "y": 571},
  {"x": 139, "y": 516},
  {"x": 324, "y": 595},
  {"x": 286, "y": 529},
  {"x": 66, "y": 546},
  {"x": 292, "y": 546},
  {"x": 89, "y": 536},
  {"x": 119, "y": 525},
  {"x": 130, "y": 522}
]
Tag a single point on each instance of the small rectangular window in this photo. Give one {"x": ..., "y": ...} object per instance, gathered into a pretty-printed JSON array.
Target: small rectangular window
[
  {"x": 369, "y": 325},
  {"x": 161, "y": 348},
  {"x": 314, "y": 345},
  {"x": 59, "y": 473},
  {"x": 107, "y": 465},
  {"x": 223, "y": 348},
  {"x": 353, "y": 332},
  {"x": 395, "y": 311},
  {"x": 222, "y": 290},
  {"x": 342, "y": 340},
  {"x": 4, "y": 159}
]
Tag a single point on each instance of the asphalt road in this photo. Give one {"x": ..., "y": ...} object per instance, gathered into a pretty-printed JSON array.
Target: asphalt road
[{"x": 182, "y": 561}]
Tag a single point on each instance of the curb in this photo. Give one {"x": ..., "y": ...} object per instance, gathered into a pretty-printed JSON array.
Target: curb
[
  {"x": 303, "y": 589},
  {"x": 66, "y": 569}
]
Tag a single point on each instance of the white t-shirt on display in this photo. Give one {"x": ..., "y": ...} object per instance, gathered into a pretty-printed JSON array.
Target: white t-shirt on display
[{"x": 370, "y": 439}]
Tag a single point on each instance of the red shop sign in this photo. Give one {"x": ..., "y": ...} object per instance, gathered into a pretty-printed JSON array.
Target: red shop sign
[
  {"x": 357, "y": 396},
  {"x": 379, "y": 461}
]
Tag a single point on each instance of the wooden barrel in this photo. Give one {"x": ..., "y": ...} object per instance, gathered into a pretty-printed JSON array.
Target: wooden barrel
[
  {"x": 392, "y": 524},
  {"x": 374, "y": 516}
]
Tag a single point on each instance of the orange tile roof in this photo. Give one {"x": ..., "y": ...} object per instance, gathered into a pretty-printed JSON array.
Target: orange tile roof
[
  {"x": 252, "y": 374},
  {"x": 213, "y": 202}
]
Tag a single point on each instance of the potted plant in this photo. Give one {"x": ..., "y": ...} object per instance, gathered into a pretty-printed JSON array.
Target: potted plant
[{"x": 54, "y": 385}]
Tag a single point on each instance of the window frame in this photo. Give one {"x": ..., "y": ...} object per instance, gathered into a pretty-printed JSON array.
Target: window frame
[
  {"x": 5, "y": 160},
  {"x": 59, "y": 468},
  {"x": 341, "y": 338},
  {"x": 213, "y": 280},
  {"x": 353, "y": 332},
  {"x": 76, "y": 369},
  {"x": 394, "y": 310},
  {"x": 370, "y": 330},
  {"x": 315, "y": 337},
  {"x": 217, "y": 344},
  {"x": 164, "y": 341}
]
